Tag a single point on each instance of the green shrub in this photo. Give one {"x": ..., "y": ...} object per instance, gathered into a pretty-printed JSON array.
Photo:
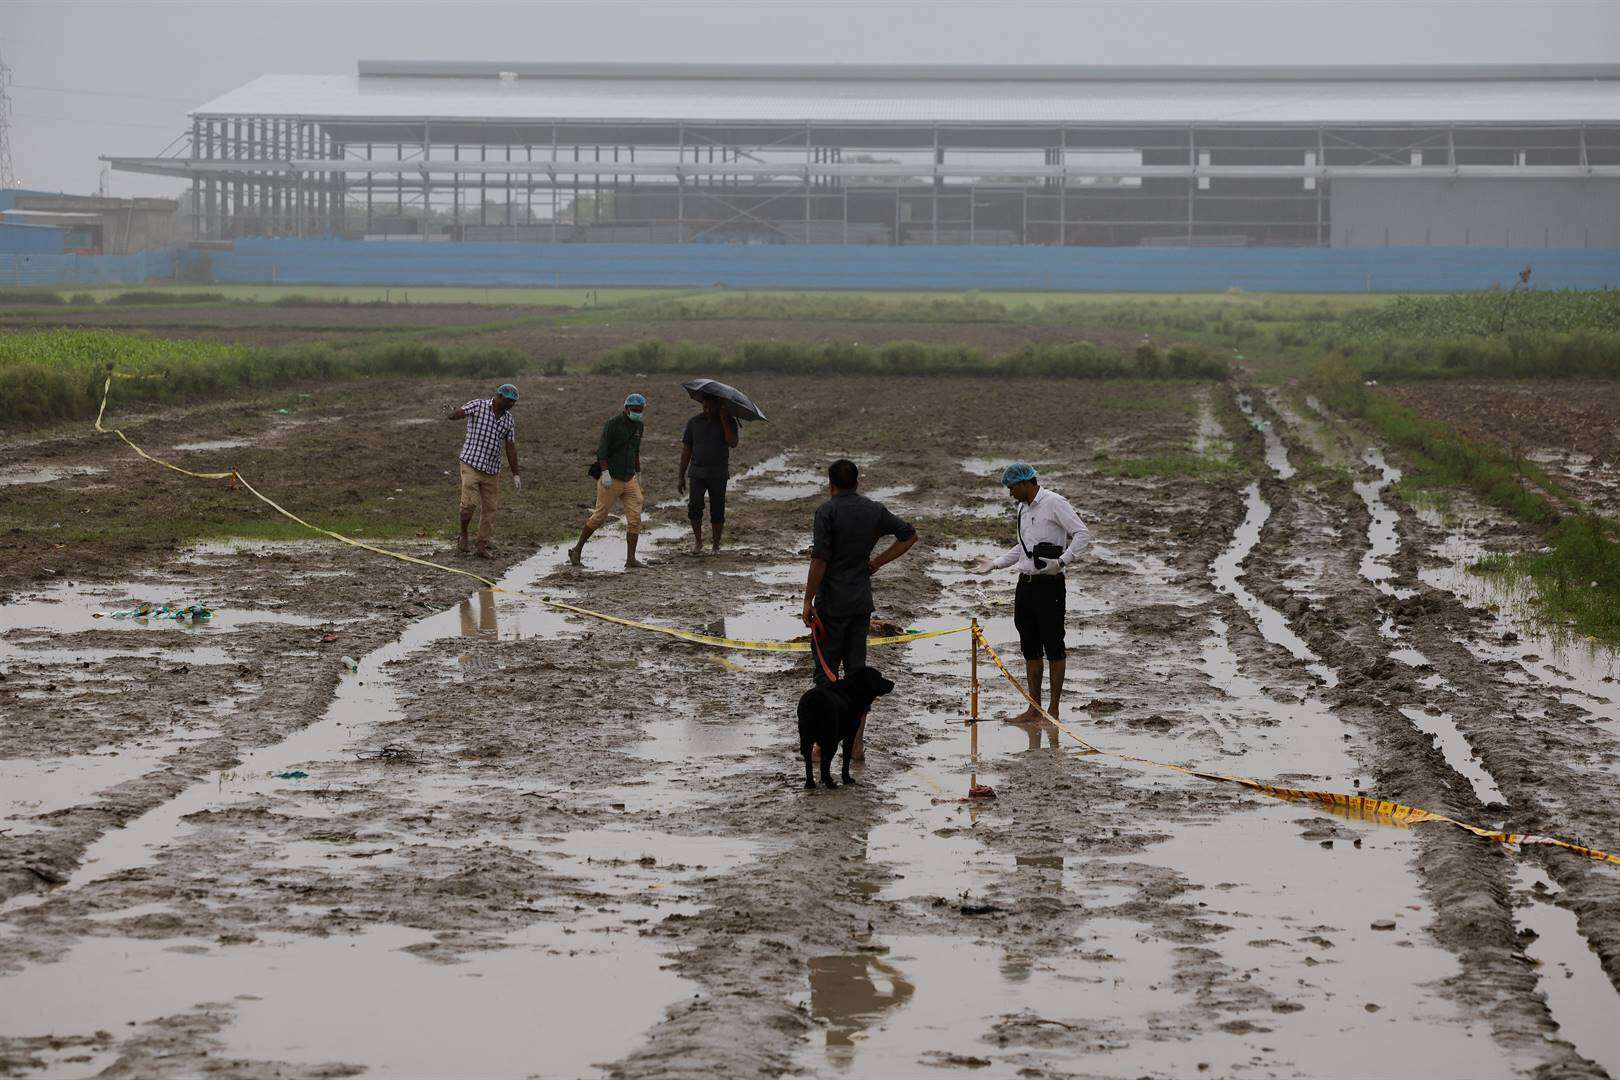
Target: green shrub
[
  {"x": 30, "y": 296},
  {"x": 154, "y": 296}
]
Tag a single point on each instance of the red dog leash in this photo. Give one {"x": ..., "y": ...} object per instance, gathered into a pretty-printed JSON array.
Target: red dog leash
[{"x": 817, "y": 632}]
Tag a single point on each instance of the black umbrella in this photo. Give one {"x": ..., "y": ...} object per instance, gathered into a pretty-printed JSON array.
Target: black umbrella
[{"x": 736, "y": 402}]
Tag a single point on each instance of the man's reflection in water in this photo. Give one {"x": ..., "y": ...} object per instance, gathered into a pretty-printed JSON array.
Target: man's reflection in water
[
  {"x": 485, "y": 627},
  {"x": 851, "y": 993}
]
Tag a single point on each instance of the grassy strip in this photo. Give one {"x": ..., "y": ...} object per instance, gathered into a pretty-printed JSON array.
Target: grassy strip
[
  {"x": 1165, "y": 466},
  {"x": 1576, "y": 576},
  {"x": 1074, "y": 360},
  {"x": 1493, "y": 311},
  {"x": 58, "y": 374}
]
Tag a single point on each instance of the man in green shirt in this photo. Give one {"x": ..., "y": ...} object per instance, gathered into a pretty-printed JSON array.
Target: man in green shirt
[{"x": 618, "y": 457}]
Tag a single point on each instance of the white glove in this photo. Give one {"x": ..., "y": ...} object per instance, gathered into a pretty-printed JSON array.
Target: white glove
[
  {"x": 1051, "y": 567},
  {"x": 606, "y": 479},
  {"x": 982, "y": 566},
  {"x": 517, "y": 483}
]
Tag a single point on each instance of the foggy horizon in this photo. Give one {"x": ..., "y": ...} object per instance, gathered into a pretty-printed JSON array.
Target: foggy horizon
[{"x": 104, "y": 78}]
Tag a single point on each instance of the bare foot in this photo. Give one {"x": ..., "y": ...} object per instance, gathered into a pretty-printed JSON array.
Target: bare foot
[
  {"x": 634, "y": 564},
  {"x": 1028, "y": 716},
  {"x": 574, "y": 554},
  {"x": 484, "y": 553},
  {"x": 462, "y": 545}
]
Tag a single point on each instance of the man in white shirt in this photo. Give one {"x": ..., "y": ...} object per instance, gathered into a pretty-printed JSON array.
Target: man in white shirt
[{"x": 1050, "y": 537}]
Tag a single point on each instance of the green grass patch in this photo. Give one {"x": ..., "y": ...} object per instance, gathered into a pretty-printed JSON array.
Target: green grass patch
[
  {"x": 1576, "y": 577},
  {"x": 1163, "y": 466},
  {"x": 1079, "y": 360},
  {"x": 59, "y": 374}
]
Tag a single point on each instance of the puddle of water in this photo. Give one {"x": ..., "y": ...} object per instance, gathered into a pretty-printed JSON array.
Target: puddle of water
[
  {"x": 362, "y": 698},
  {"x": 214, "y": 444},
  {"x": 48, "y": 474},
  {"x": 1303, "y": 738},
  {"x": 909, "y": 840},
  {"x": 1227, "y": 571},
  {"x": 1575, "y": 665},
  {"x": 927, "y": 1000},
  {"x": 544, "y": 1001},
  {"x": 1383, "y": 540},
  {"x": 1209, "y": 437},
  {"x": 1280, "y": 897},
  {"x": 1276, "y": 453},
  {"x": 33, "y": 786},
  {"x": 1442, "y": 728},
  {"x": 890, "y": 493},
  {"x": 1582, "y": 1000}
]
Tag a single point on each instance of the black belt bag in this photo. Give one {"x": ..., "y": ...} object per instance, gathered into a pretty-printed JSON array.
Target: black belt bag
[{"x": 1041, "y": 553}]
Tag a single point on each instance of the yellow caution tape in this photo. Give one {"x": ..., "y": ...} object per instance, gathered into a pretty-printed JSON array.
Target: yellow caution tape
[
  {"x": 1351, "y": 804},
  {"x": 1359, "y": 806}
]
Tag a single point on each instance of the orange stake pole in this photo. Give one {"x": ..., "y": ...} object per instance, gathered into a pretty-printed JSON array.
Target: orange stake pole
[{"x": 973, "y": 700}]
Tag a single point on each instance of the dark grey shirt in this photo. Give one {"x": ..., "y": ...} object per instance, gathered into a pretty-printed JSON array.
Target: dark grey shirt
[
  {"x": 848, "y": 526},
  {"x": 711, "y": 457}
]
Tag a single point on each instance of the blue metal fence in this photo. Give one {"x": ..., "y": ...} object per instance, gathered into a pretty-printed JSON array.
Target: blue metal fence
[
  {"x": 942, "y": 267},
  {"x": 339, "y": 262},
  {"x": 20, "y": 268}
]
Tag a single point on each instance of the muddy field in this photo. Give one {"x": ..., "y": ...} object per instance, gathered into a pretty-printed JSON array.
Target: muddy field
[
  {"x": 515, "y": 842},
  {"x": 1570, "y": 428}
]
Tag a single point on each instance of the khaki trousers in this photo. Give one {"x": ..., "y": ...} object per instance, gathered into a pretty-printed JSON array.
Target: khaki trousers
[
  {"x": 478, "y": 493},
  {"x": 627, "y": 492}
]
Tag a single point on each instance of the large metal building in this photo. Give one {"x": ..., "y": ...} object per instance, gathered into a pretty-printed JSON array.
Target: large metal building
[{"x": 1497, "y": 156}]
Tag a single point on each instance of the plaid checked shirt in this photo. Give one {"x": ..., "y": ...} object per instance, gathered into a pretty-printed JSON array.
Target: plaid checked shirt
[{"x": 485, "y": 434}]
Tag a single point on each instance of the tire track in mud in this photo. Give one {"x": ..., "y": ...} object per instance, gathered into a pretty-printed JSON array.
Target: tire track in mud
[{"x": 1467, "y": 880}]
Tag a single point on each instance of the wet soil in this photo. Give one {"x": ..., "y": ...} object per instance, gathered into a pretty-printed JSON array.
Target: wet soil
[
  {"x": 1570, "y": 428},
  {"x": 514, "y": 842}
]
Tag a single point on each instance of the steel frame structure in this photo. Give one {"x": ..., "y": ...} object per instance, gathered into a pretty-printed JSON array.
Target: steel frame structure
[{"x": 876, "y": 182}]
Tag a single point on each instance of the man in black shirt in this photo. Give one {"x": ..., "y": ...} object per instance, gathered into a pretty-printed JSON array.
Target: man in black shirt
[
  {"x": 838, "y": 590},
  {"x": 706, "y": 461}
]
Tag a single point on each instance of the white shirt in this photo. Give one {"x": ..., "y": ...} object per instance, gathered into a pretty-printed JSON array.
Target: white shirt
[{"x": 1047, "y": 519}]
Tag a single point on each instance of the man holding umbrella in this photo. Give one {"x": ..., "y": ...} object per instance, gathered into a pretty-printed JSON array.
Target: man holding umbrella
[{"x": 706, "y": 453}]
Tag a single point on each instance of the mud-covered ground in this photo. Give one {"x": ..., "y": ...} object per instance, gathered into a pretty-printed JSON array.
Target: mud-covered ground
[
  {"x": 519, "y": 842},
  {"x": 1570, "y": 428}
]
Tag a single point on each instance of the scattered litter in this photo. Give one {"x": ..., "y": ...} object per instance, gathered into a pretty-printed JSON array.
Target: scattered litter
[
  {"x": 1383, "y": 924},
  {"x": 351, "y": 663},
  {"x": 328, "y": 637},
  {"x": 175, "y": 613},
  {"x": 292, "y": 774},
  {"x": 283, "y": 412},
  {"x": 981, "y": 791},
  {"x": 392, "y": 754}
]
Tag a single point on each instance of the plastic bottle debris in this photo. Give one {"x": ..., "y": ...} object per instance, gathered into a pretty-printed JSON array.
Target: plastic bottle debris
[
  {"x": 351, "y": 663},
  {"x": 291, "y": 774},
  {"x": 172, "y": 612}
]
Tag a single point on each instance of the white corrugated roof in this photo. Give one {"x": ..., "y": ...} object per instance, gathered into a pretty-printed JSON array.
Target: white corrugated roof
[{"x": 893, "y": 101}]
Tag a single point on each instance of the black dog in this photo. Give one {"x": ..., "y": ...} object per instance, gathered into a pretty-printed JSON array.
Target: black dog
[{"x": 830, "y": 714}]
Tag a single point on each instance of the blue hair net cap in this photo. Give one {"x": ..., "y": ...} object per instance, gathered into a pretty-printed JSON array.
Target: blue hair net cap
[
  {"x": 507, "y": 391},
  {"x": 635, "y": 399},
  {"x": 1017, "y": 472}
]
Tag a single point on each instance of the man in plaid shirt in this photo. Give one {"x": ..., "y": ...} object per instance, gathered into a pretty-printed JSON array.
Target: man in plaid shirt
[{"x": 489, "y": 430}]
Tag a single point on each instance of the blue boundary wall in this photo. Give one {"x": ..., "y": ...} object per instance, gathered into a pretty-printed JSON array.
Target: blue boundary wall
[
  {"x": 943, "y": 267},
  {"x": 352, "y": 262},
  {"x": 20, "y": 268}
]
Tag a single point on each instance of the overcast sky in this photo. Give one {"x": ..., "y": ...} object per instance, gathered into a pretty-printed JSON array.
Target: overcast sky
[{"x": 96, "y": 77}]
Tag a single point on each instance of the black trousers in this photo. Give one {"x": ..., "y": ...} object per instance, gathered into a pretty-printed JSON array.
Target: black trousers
[
  {"x": 844, "y": 646},
  {"x": 1038, "y": 615},
  {"x": 697, "y": 485}
]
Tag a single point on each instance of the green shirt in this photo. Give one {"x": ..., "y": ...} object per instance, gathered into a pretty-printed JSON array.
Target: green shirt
[{"x": 619, "y": 446}]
